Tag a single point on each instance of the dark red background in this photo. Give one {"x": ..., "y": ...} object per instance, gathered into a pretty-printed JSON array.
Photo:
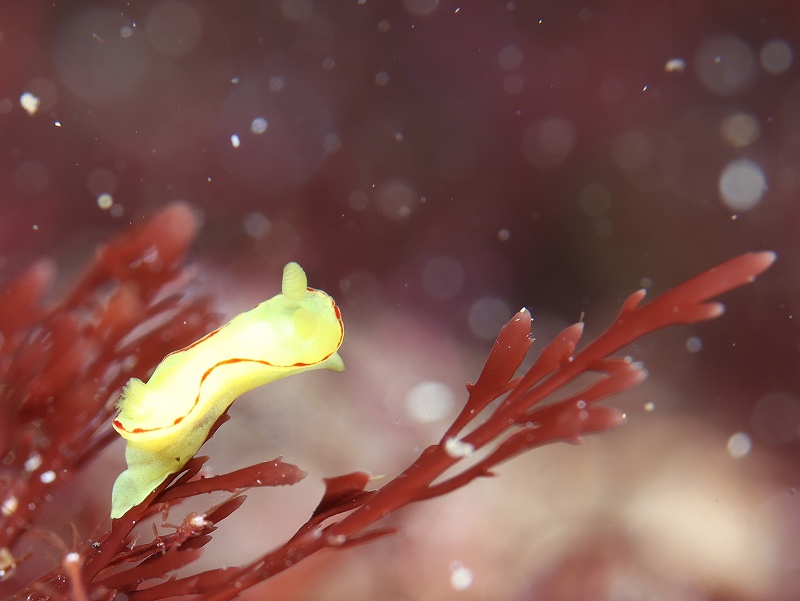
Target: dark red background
[{"x": 396, "y": 138}]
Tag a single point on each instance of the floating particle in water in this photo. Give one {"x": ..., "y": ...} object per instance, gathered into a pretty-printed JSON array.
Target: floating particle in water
[
  {"x": 547, "y": 143},
  {"x": 93, "y": 57},
  {"x": 9, "y": 506},
  {"x": 256, "y": 224},
  {"x": 461, "y": 577},
  {"x": 421, "y": 8},
  {"x": 8, "y": 564},
  {"x": 276, "y": 84},
  {"x": 105, "y": 201},
  {"x": 396, "y": 199},
  {"x": 33, "y": 462},
  {"x": 740, "y": 129},
  {"x": 258, "y": 125},
  {"x": 443, "y": 277},
  {"x": 430, "y": 401},
  {"x": 776, "y": 56},
  {"x": 458, "y": 449},
  {"x": 30, "y": 103},
  {"x": 725, "y": 65},
  {"x": 739, "y": 445},
  {"x": 694, "y": 344},
  {"x": 173, "y": 27},
  {"x": 382, "y": 79},
  {"x": 675, "y": 65},
  {"x": 742, "y": 184},
  {"x": 510, "y": 57},
  {"x": 487, "y": 315}
]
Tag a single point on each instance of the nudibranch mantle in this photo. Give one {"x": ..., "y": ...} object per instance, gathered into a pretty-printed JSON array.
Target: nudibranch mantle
[{"x": 166, "y": 420}]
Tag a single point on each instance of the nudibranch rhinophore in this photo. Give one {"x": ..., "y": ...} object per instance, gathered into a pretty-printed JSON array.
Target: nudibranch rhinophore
[{"x": 166, "y": 420}]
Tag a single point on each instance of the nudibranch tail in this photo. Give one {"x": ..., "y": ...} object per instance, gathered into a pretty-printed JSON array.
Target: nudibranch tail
[{"x": 294, "y": 283}]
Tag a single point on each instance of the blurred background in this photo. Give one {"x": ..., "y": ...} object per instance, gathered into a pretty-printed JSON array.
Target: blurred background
[{"x": 435, "y": 166}]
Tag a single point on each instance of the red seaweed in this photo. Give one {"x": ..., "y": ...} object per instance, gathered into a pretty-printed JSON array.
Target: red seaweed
[{"x": 61, "y": 366}]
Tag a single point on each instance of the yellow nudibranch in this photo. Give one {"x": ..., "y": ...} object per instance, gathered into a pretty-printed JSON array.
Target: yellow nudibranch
[{"x": 167, "y": 419}]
